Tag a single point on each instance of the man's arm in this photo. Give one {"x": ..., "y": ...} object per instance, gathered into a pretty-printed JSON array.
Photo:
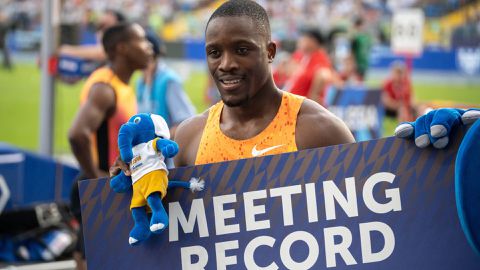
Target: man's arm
[
  {"x": 188, "y": 136},
  {"x": 88, "y": 52},
  {"x": 99, "y": 105},
  {"x": 179, "y": 105},
  {"x": 389, "y": 103},
  {"x": 317, "y": 127},
  {"x": 321, "y": 78}
]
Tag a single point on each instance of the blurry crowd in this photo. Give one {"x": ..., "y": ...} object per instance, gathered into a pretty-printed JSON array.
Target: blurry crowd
[
  {"x": 180, "y": 19},
  {"x": 321, "y": 64},
  {"x": 468, "y": 34}
]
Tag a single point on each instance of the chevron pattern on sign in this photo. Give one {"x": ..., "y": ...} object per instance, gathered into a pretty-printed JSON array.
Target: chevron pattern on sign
[{"x": 423, "y": 176}]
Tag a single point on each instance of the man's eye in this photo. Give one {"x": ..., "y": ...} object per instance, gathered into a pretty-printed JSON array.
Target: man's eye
[
  {"x": 213, "y": 53},
  {"x": 242, "y": 51}
]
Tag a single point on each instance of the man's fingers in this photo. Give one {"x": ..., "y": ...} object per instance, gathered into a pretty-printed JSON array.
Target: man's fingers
[
  {"x": 114, "y": 171},
  {"x": 125, "y": 168},
  {"x": 118, "y": 166},
  {"x": 470, "y": 116}
]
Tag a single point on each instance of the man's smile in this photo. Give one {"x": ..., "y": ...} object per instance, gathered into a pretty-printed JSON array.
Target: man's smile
[{"x": 230, "y": 83}]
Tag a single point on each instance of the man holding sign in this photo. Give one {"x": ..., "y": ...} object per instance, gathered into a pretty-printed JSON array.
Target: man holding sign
[{"x": 254, "y": 119}]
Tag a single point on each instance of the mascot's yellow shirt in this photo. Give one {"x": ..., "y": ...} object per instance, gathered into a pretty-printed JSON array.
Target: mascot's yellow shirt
[
  {"x": 104, "y": 143},
  {"x": 278, "y": 137}
]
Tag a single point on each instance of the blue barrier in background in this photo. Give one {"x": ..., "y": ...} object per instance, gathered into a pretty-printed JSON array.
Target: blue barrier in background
[
  {"x": 195, "y": 50},
  {"x": 27, "y": 179},
  {"x": 75, "y": 67},
  {"x": 462, "y": 60}
]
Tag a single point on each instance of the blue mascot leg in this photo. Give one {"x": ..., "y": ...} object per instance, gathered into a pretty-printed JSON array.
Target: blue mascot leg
[
  {"x": 159, "y": 221},
  {"x": 140, "y": 231}
]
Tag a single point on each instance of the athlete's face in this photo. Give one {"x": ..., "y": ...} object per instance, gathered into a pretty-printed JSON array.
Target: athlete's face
[
  {"x": 139, "y": 51},
  {"x": 238, "y": 57}
]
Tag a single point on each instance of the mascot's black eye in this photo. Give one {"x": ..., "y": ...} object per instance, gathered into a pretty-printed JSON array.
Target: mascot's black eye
[{"x": 137, "y": 120}]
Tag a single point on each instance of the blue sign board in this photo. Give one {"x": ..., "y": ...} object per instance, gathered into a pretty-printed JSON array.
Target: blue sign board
[
  {"x": 382, "y": 204},
  {"x": 361, "y": 109}
]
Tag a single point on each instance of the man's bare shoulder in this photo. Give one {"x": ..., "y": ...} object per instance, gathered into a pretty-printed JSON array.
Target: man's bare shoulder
[
  {"x": 317, "y": 127},
  {"x": 192, "y": 124},
  {"x": 101, "y": 93},
  {"x": 188, "y": 136}
]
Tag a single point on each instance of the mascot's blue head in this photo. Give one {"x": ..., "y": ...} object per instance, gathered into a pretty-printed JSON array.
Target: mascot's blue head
[{"x": 141, "y": 128}]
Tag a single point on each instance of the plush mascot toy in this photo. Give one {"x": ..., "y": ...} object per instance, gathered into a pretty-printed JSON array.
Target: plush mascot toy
[
  {"x": 144, "y": 143},
  {"x": 434, "y": 128}
]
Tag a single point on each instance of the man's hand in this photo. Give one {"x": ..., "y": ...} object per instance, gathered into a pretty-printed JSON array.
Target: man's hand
[
  {"x": 119, "y": 166},
  {"x": 168, "y": 148},
  {"x": 435, "y": 126}
]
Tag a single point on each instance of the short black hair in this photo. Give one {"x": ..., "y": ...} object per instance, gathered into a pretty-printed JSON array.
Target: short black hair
[
  {"x": 237, "y": 8},
  {"x": 315, "y": 34},
  {"x": 118, "y": 15},
  {"x": 114, "y": 35}
]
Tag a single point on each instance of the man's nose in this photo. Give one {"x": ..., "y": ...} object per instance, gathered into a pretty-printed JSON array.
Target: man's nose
[{"x": 228, "y": 62}]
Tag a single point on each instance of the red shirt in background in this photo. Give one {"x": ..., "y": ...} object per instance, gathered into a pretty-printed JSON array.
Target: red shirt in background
[
  {"x": 280, "y": 79},
  {"x": 301, "y": 81},
  {"x": 399, "y": 91}
]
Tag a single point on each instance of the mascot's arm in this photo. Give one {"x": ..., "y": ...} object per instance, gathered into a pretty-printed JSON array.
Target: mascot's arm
[
  {"x": 168, "y": 148},
  {"x": 435, "y": 126},
  {"x": 121, "y": 183}
]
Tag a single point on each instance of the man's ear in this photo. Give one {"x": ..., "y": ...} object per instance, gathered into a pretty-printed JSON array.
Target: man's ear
[
  {"x": 121, "y": 48},
  {"x": 272, "y": 51}
]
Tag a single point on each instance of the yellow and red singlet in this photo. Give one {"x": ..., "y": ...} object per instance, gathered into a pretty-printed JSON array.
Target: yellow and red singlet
[
  {"x": 278, "y": 137},
  {"x": 104, "y": 143}
]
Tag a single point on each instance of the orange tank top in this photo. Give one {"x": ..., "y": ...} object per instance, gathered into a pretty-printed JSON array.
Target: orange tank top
[
  {"x": 278, "y": 137},
  {"x": 104, "y": 142}
]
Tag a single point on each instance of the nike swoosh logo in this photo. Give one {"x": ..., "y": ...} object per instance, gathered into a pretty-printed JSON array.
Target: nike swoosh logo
[{"x": 257, "y": 153}]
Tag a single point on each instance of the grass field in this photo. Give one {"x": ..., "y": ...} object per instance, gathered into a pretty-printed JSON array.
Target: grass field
[
  {"x": 20, "y": 101},
  {"x": 20, "y": 105}
]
